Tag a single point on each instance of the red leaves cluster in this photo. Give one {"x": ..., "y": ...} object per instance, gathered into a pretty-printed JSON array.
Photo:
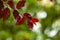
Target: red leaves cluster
[
  {"x": 19, "y": 4},
  {"x": 26, "y": 16},
  {"x": 5, "y": 13},
  {"x": 30, "y": 20},
  {"x": 20, "y": 20}
]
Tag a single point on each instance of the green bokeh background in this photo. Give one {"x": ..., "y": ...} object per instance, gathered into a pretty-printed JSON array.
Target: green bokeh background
[{"x": 8, "y": 29}]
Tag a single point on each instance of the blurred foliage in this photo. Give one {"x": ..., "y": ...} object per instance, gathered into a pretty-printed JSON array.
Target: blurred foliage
[{"x": 22, "y": 32}]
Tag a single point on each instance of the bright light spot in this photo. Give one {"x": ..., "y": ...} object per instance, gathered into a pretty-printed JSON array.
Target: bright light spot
[
  {"x": 52, "y": 33},
  {"x": 46, "y": 31},
  {"x": 36, "y": 27},
  {"x": 46, "y": 3},
  {"x": 58, "y": 1},
  {"x": 42, "y": 15},
  {"x": 9, "y": 38},
  {"x": 56, "y": 24},
  {"x": 39, "y": 37}
]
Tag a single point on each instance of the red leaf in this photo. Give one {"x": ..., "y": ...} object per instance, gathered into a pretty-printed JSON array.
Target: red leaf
[
  {"x": 6, "y": 14},
  {"x": 20, "y": 4},
  {"x": 30, "y": 24},
  {"x": 1, "y": 5},
  {"x": 16, "y": 15},
  {"x": 11, "y": 4},
  {"x": 19, "y": 22},
  {"x": 34, "y": 20},
  {"x": 27, "y": 16},
  {"x": 1, "y": 13}
]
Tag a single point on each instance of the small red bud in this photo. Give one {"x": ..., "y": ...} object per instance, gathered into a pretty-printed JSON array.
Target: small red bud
[{"x": 34, "y": 20}]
